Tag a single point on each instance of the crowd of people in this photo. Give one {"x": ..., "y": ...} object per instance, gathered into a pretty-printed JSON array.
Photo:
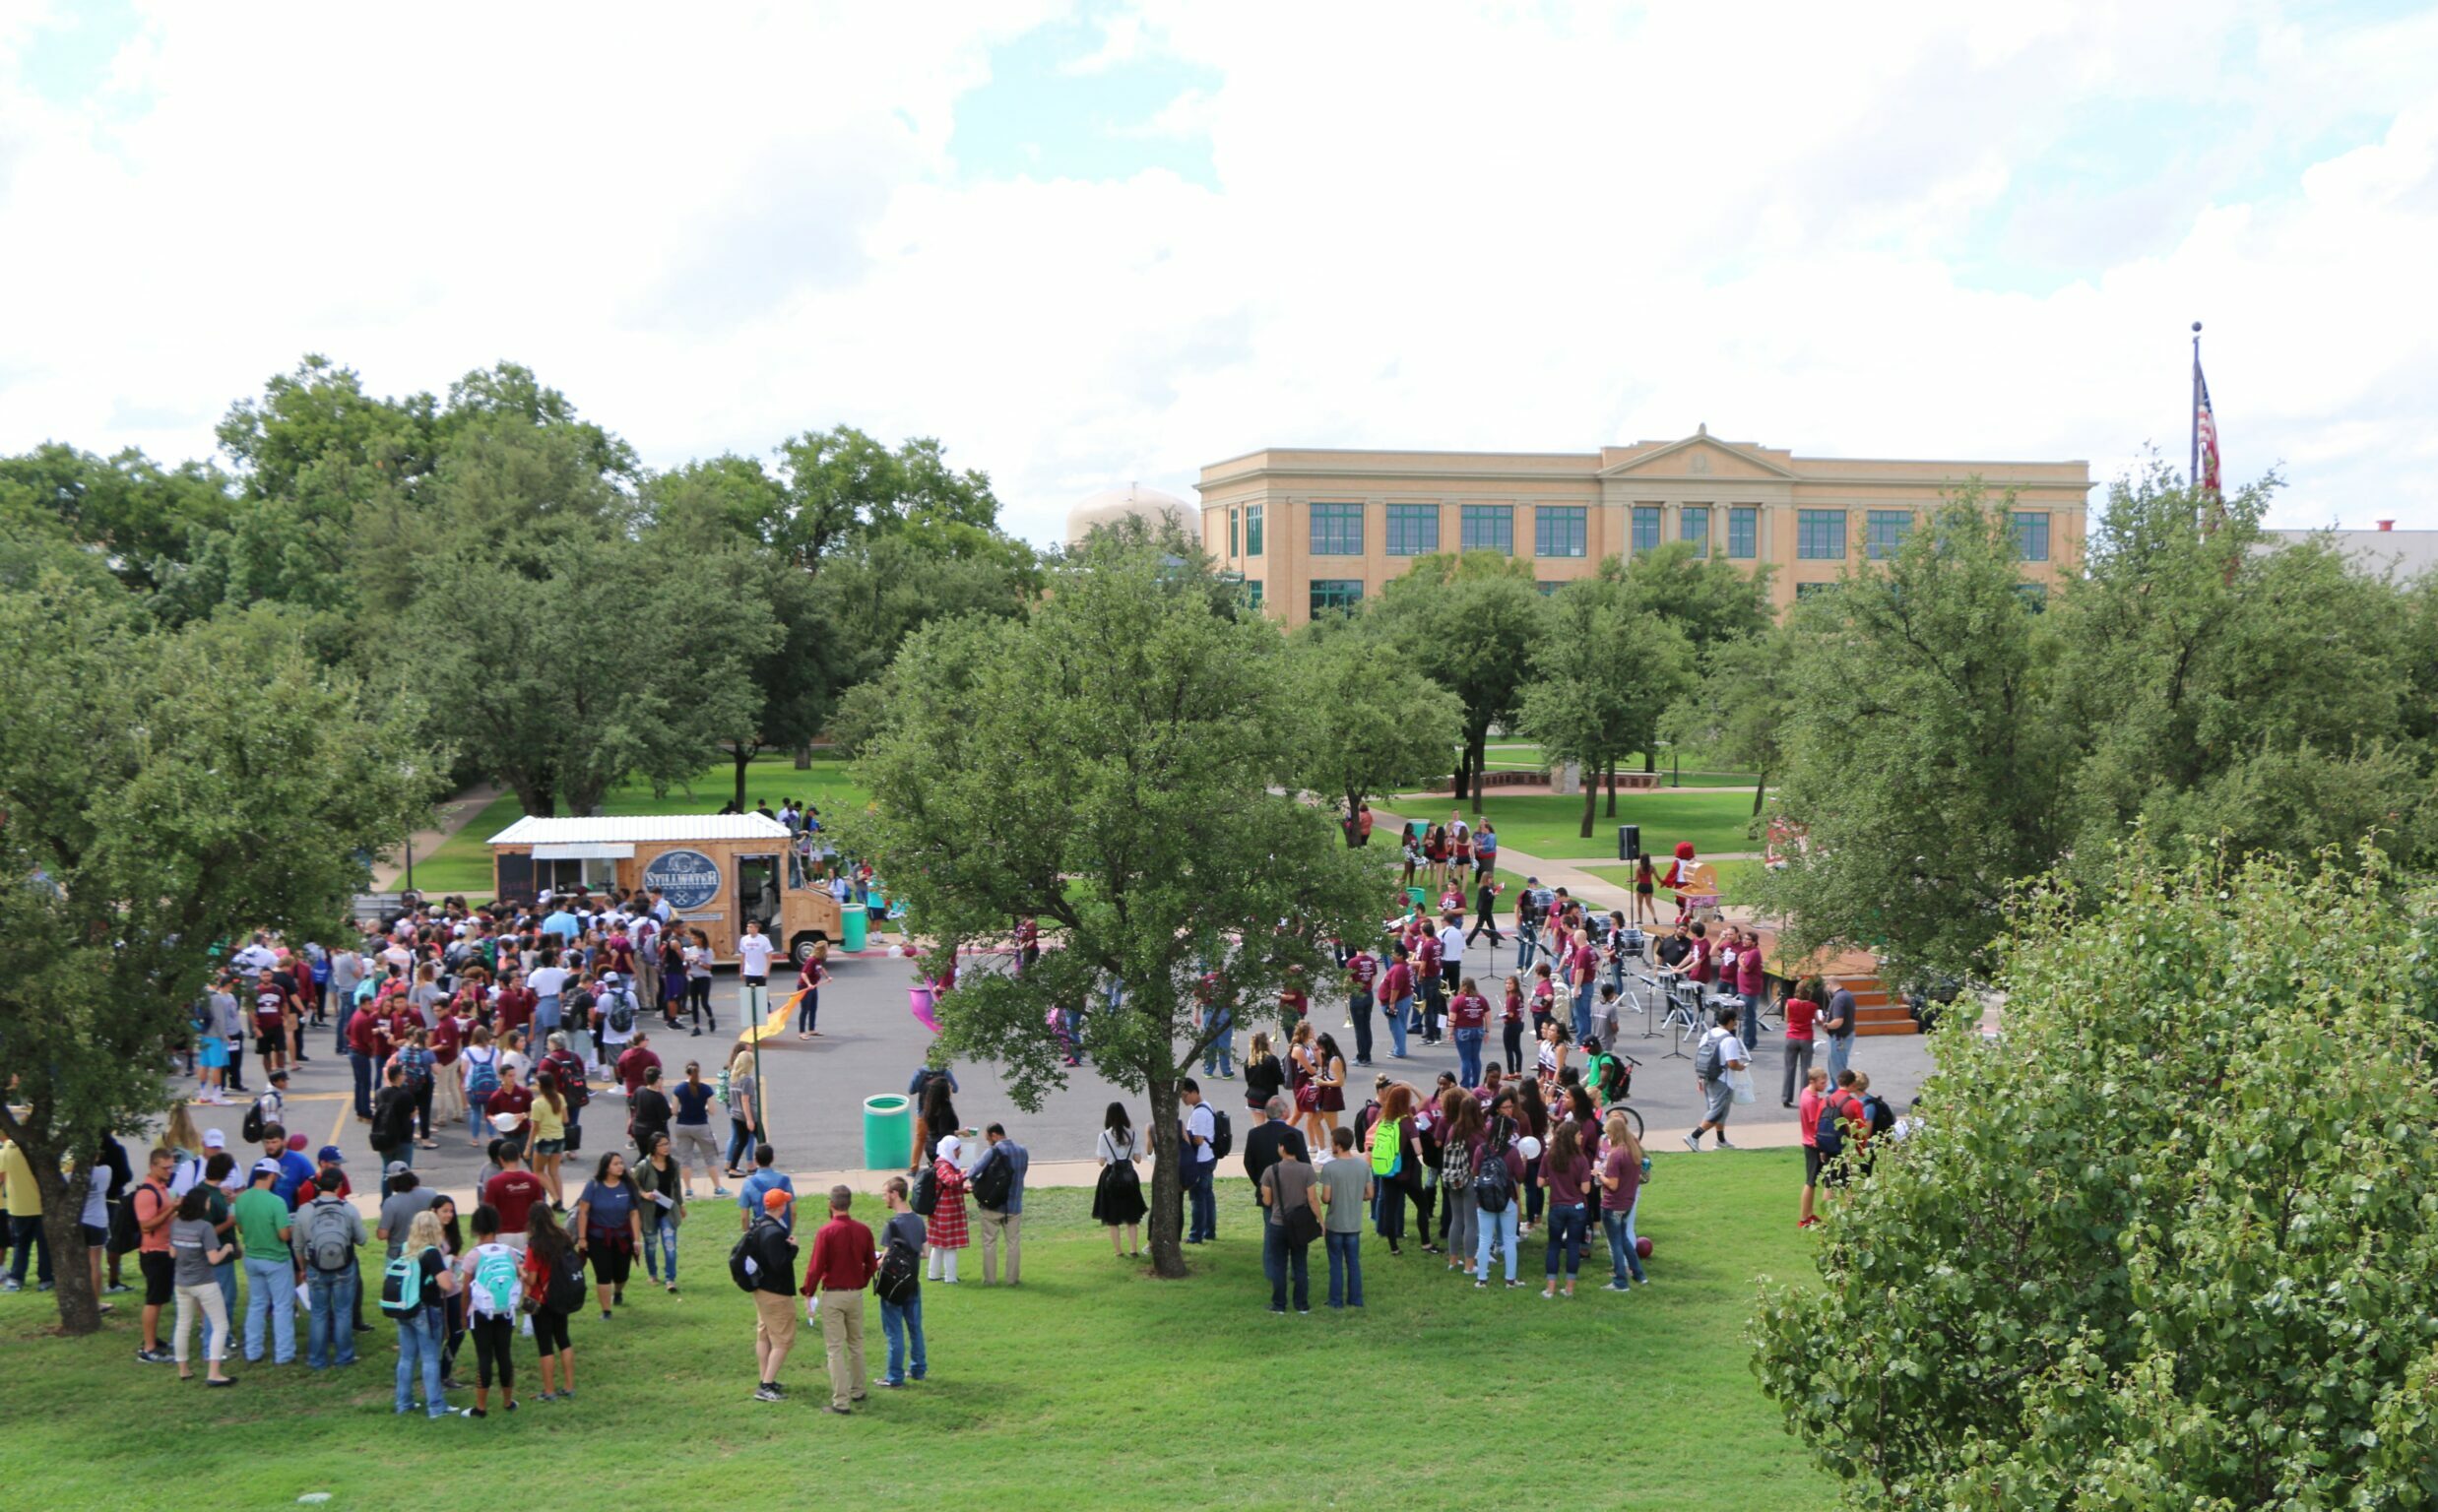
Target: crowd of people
[{"x": 508, "y": 1017}]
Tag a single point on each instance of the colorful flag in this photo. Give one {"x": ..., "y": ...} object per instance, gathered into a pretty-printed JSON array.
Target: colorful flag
[{"x": 2205, "y": 431}]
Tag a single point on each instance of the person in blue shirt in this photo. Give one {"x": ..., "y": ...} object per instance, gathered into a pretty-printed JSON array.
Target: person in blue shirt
[
  {"x": 563, "y": 924},
  {"x": 761, "y": 1180},
  {"x": 1006, "y": 1219}
]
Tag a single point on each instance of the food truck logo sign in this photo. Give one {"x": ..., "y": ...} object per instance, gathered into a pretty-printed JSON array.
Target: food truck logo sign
[{"x": 688, "y": 879}]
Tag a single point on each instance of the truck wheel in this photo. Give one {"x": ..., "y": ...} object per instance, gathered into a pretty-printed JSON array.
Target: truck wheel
[{"x": 801, "y": 949}]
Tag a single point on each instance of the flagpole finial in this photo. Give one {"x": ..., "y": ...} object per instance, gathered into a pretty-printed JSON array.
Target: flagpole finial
[{"x": 2196, "y": 328}]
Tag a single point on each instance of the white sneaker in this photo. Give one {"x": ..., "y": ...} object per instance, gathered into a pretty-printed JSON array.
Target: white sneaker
[{"x": 1693, "y": 1142}]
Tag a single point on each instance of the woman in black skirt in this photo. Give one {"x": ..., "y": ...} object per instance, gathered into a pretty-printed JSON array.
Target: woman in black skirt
[{"x": 1117, "y": 1201}]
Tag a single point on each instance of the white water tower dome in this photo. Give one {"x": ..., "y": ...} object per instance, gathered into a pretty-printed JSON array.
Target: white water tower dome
[{"x": 1149, "y": 505}]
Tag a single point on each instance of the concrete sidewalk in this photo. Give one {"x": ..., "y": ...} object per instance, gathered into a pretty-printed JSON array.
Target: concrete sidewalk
[{"x": 451, "y": 815}]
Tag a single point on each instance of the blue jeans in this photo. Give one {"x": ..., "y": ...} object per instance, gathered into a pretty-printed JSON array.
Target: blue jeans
[
  {"x": 364, "y": 1083},
  {"x": 1566, "y": 1238},
  {"x": 1358, "y": 1009},
  {"x": 1622, "y": 1260},
  {"x": 660, "y": 1249},
  {"x": 1345, "y": 1268},
  {"x": 1281, "y": 1260},
  {"x": 478, "y": 1120},
  {"x": 419, "y": 1348},
  {"x": 1839, "y": 1048},
  {"x": 226, "y": 1273},
  {"x": 897, "y": 1322},
  {"x": 1399, "y": 1015},
  {"x": 1497, "y": 1232},
  {"x": 1582, "y": 1013},
  {"x": 271, "y": 1288},
  {"x": 1205, "y": 1206},
  {"x": 1527, "y": 948},
  {"x": 30, "y": 1244},
  {"x": 1469, "y": 1056},
  {"x": 1219, "y": 1059},
  {"x": 329, "y": 1329},
  {"x": 545, "y": 1019}
]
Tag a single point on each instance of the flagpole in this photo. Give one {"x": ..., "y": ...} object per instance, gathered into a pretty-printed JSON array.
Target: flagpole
[{"x": 2193, "y": 477}]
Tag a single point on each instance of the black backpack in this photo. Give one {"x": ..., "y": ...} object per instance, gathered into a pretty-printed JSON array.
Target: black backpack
[
  {"x": 1222, "y": 1134},
  {"x": 566, "y": 1291},
  {"x": 1877, "y": 1114},
  {"x": 993, "y": 1180},
  {"x": 900, "y": 1276},
  {"x": 925, "y": 1195},
  {"x": 737, "y": 1254},
  {"x": 1494, "y": 1187},
  {"x": 252, "y": 1128}
]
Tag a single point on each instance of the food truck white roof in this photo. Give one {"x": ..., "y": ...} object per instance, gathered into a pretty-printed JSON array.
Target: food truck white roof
[{"x": 645, "y": 829}]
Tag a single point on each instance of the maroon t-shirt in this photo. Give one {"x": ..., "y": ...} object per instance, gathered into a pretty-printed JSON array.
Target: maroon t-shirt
[
  {"x": 360, "y": 1036},
  {"x": 517, "y": 1100},
  {"x": 1567, "y": 1182},
  {"x": 512, "y": 1195},
  {"x": 1469, "y": 1010},
  {"x": 1362, "y": 968},
  {"x": 1627, "y": 1174},
  {"x": 1397, "y": 985}
]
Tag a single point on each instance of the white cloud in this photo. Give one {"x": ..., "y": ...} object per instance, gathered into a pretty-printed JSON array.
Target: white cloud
[{"x": 1514, "y": 228}]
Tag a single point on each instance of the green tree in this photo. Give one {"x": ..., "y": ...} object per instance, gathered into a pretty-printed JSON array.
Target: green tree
[
  {"x": 1370, "y": 722},
  {"x": 1467, "y": 621},
  {"x": 1712, "y": 599},
  {"x": 2170, "y": 1241},
  {"x": 542, "y": 683},
  {"x": 1124, "y": 749},
  {"x": 165, "y": 792},
  {"x": 1737, "y": 709},
  {"x": 140, "y": 516},
  {"x": 1602, "y": 673},
  {"x": 1921, "y": 751}
]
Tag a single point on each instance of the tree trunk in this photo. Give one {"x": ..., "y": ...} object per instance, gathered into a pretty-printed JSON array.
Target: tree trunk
[
  {"x": 804, "y": 755},
  {"x": 1760, "y": 788},
  {"x": 1650, "y": 757},
  {"x": 1612, "y": 787},
  {"x": 1166, "y": 1219},
  {"x": 536, "y": 795},
  {"x": 1480, "y": 764},
  {"x": 1464, "y": 770},
  {"x": 80, "y": 1311},
  {"x": 1592, "y": 801},
  {"x": 742, "y": 755}
]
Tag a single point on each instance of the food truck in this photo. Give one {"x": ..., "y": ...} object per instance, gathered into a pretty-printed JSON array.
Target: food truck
[{"x": 716, "y": 870}]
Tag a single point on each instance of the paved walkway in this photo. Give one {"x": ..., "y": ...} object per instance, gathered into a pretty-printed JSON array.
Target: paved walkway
[{"x": 453, "y": 815}]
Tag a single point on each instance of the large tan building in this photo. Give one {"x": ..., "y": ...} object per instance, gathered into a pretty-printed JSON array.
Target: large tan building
[{"x": 1314, "y": 529}]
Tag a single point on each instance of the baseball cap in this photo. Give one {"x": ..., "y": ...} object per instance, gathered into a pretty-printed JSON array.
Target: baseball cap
[
  {"x": 395, "y": 1168},
  {"x": 267, "y": 1168},
  {"x": 774, "y": 1199},
  {"x": 213, "y": 1138},
  {"x": 610, "y": 977},
  {"x": 332, "y": 1155}
]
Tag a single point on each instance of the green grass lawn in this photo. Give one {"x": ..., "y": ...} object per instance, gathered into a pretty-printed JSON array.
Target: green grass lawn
[
  {"x": 1545, "y": 825},
  {"x": 1522, "y": 756},
  {"x": 1091, "y": 1386},
  {"x": 463, "y": 865}
]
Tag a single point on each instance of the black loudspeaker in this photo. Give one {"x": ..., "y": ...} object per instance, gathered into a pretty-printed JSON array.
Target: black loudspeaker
[{"x": 1629, "y": 842}]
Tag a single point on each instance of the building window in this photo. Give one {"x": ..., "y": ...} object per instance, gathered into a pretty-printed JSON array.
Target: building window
[
  {"x": 1807, "y": 589},
  {"x": 1887, "y": 529},
  {"x": 1490, "y": 527},
  {"x": 1645, "y": 527},
  {"x": 1743, "y": 531},
  {"x": 1232, "y": 533},
  {"x": 1560, "y": 530},
  {"x": 1253, "y": 593},
  {"x": 2031, "y": 537},
  {"x": 1332, "y": 596},
  {"x": 1693, "y": 524},
  {"x": 2035, "y": 596},
  {"x": 1413, "y": 530},
  {"x": 1820, "y": 535},
  {"x": 1252, "y": 530},
  {"x": 1337, "y": 530}
]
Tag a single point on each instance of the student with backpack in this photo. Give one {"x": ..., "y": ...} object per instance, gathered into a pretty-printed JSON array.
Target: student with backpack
[
  {"x": 1498, "y": 1182},
  {"x": 492, "y": 1292},
  {"x": 762, "y": 1263},
  {"x": 554, "y": 1278},
  {"x": 1715, "y": 1064},
  {"x": 479, "y": 1075},
  {"x": 899, "y": 1285},
  {"x": 413, "y": 1290},
  {"x": 328, "y": 1232},
  {"x": 1842, "y": 1121}
]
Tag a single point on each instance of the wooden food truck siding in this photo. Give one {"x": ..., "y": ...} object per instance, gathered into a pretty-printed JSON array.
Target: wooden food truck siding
[{"x": 715, "y": 870}]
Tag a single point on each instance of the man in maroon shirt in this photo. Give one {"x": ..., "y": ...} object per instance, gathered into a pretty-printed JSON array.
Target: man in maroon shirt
[
  {"x": 842, "y": 1266},
  {"x": 363, "y": 1052},
  {"x": 512, "y": 1194},
  {"x": 515, "y": 1008},
  {"x": 637, "y": 1059}
]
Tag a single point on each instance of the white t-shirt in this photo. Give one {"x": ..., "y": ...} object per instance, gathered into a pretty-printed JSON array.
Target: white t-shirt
[
  {"x": 1199, "y": 1123},
  {"x": 1730, "y": 1049},
  {"x": 754, "y": 955},
  {"x": 1451, "y": 945},
  {"x": 548, "y": 980}
]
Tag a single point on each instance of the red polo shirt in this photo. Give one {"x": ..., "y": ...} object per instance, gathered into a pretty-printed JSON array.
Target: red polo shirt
[{"x": 842, "y": 1257}]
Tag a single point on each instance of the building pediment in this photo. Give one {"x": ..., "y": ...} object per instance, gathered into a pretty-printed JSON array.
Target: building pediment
[{"x": 1697, "y": 456}]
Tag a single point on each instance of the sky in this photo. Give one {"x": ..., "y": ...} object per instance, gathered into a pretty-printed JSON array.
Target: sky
[{"x": 1090, "y": 243}]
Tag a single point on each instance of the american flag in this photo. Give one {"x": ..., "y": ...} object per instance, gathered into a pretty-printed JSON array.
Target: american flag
[{"x": 2205, "y": 431}]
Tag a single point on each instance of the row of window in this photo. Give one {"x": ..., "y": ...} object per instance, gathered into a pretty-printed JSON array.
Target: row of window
[
  {"x": 1248, "y": 519},
  {"x": 1560, "y": 530},
  {"x": 1329, "y": 594}
]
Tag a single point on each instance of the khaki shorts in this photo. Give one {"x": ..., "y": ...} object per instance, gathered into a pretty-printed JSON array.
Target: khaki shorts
[
  {"x": 692, "y": 1142},
  {"x": 774, "y": 1318}
]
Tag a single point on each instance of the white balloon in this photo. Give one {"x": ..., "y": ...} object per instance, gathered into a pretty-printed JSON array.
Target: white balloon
[{"x": 1528, "y": 1147}]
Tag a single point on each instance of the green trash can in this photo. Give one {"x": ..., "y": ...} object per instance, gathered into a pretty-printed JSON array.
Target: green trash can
[
  {"x": 1415, "y": 893},
  {"x": 888, "y": 1132},
  {"x": 854, "y": 925}
]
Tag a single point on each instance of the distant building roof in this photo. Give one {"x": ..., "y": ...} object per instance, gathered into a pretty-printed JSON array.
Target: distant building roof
[
  {"x": 1133, "y": 501},
  {"x": 530, "y": 831},
  {"x": 2387, "y": 552}
]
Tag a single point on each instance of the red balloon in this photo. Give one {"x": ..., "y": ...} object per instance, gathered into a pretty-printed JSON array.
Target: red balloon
[{"x": 1642, "y": 1246}]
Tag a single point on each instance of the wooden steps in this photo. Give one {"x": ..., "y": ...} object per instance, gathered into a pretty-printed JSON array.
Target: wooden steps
[{"x": 1874, "y": 1013}]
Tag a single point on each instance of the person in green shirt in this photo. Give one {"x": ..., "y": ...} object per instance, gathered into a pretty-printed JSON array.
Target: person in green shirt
[{"x": 264, "y": 1225}]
